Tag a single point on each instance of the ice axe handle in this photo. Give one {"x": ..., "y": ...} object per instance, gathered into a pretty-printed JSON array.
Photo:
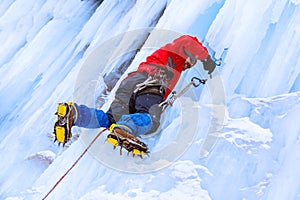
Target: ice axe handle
[{"x": 197, "y": 81}]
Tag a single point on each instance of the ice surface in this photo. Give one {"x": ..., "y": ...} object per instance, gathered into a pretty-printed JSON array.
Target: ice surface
[{"x": 44, "y": 45}]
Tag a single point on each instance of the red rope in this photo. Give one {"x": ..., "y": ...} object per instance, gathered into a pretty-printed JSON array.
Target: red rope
[{"x": 75, "y": 163}]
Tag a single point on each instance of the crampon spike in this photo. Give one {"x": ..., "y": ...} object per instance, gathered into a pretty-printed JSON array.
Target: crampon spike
[
  {"x": 121, "y": 151},
  {"x": 132, "y": 145}
]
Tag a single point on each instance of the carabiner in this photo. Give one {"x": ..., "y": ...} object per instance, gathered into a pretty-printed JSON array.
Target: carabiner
[{"x": 198, "y": 81}]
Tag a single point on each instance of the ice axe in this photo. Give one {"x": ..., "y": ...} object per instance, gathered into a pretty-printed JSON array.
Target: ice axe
[{"x": 195, "y": 81}]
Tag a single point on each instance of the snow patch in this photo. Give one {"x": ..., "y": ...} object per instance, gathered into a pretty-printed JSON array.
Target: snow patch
[
  {"x": 296, "y": 2},
  {"x": 43, "y": 157},
  {"x": 246, "y": 135}
]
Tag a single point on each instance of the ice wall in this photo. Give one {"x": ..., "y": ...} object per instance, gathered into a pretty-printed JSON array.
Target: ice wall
[
  {"x": 264, "y": 43},
  {"x": 44, "y": 44}
]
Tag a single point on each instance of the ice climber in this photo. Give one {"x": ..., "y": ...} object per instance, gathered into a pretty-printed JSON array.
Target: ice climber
[{"x": 135, "y": 110}]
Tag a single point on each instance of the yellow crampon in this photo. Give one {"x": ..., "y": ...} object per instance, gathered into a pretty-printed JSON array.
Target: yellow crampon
[
  {"x": 61, "y": 134},
  {"x": 137, "y": 152},
  {"x": 112, "y": 140},
  {"x": 132, "y": 145},
  {"x": 63, "y": 109},
  {"x": 67, "y": 114}
]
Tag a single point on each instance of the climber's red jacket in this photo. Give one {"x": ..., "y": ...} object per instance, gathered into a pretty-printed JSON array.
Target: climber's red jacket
[{"x": 172, "y": 57}]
